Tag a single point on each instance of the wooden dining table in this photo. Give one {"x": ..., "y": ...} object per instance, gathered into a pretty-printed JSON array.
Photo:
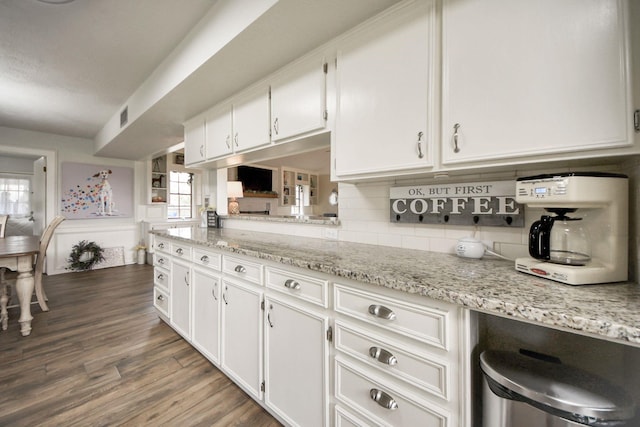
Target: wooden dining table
[{"x": 16, "y": 253}]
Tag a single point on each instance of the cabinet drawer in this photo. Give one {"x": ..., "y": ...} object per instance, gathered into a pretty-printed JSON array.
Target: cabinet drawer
[
  {"x": 303, "y": 287},
  {"x": 344, "y": 418},
  {"x": 207, "y": 259},
  {"x": 181, "y": 251},
  {"x": 161, "y": 277},
  {"x": 161, "y": 301},
  {"x": 427, "y": 324},
  {"x": 161, "y": 260},
  {"x": 238, "y": 267},
  {"x": 426, "y": 372},
  {"x": 370, "y": 395},
  {"x": 162, "y": 245}
]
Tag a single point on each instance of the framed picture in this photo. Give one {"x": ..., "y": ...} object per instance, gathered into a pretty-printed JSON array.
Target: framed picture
[
  {"x": 179, "y": 159},
  {"x": 96, "y": 191}
]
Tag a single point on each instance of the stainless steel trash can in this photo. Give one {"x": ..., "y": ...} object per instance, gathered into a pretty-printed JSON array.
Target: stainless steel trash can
[{"x": 522, "y": 390}]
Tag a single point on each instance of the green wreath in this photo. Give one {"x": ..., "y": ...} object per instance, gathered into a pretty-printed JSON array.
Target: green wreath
[{"x": 84, "y": 256}]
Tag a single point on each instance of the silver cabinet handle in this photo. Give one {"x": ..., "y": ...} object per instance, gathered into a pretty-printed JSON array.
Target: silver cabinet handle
[
  {"x": 420, "y": 153},
  {"x": 202, "y": 151},
  {"x": 186, "y": 278},
  {"x": 240, "y": 269},
  {"x": 160, "y": 276},
  {"x": 160, "y": 298},
  {"x": 235, "y": 139},
  {"x": 383, "y": 399},
  {"x": 204, "y": 259},
  {"x": 213, "y": 292},
  {"x": 224, "y": 296},
  {"x": 269, "y": 316},
  {"x": 382, "y": 312},
  {"x": 227, "y": 141},
  {"x": 179, "y": 251},
  {"x": 276, "y": 126},
  {"x": 160, "y": 260},
  {"x": 383, "y": 356},
  {"x": 161, "y": 245},
  {"x": 456, "y": 149},
  {"x": 291, "y": 284}
]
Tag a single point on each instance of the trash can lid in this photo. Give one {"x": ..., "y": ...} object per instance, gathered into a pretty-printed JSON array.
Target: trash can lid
[{"x": 558, "y": 386}]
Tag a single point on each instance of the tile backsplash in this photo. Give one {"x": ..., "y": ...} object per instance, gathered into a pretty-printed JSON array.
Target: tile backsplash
[{"x": 364, "y": 218}]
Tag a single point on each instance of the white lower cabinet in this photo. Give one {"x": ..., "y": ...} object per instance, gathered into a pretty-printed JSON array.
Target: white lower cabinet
[
  {"x": 397, "y": 358},
  {"x": 314, "y": 352},
  {"x": 296, "y": 363},
  {"x": 180, "y": 307},
  {"x": 242, "y": 335},
  {"x": 205, "y": 303}
]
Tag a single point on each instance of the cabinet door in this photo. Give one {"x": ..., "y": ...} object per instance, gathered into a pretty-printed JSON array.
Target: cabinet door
[
  {"x": 242, "y": 335},
  {"x": 298, "y": 99},
  {"x": 180, "y": 299},
  {"x": 206, "y": 314},
  {"x": 219, "y": 132},
  {"x": 536, "y": 78},
  {"x": 194, "y": 141},
  {"x": 385, "y": 86},
  {"x": 251, "y": 119},
  {"x": 296, "y": 363}
]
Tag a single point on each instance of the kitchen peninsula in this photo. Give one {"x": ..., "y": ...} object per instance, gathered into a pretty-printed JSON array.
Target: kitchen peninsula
[{"x": 350, "y": 312}]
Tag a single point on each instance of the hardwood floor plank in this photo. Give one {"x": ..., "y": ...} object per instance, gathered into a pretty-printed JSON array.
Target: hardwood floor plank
[{"x": 101, "y": 356}]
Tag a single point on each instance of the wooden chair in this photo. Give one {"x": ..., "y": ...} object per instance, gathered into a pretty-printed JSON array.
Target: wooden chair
[
  {"x": 39, "y": 266},
  {"x": 4, "y": 296}
]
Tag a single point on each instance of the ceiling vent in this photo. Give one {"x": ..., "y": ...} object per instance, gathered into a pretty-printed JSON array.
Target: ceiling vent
[{"x": 124, "y": 116}]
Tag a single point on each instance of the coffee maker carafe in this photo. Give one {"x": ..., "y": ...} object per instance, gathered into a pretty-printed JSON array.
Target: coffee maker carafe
[
  {"x": 584, "y": 237},
  {"x": 560, "y": 239}
]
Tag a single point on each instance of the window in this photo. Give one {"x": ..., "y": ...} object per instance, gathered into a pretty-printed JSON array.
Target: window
[
  {"x": 15, "y": 195},
  {"x": 180, "y": 195}
]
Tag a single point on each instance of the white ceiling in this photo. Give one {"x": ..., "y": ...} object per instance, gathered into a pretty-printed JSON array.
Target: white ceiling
[{"x": 68, "y": 69}]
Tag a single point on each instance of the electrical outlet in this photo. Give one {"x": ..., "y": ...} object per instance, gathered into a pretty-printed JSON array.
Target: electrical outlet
[{"x": 330, "y": 233}]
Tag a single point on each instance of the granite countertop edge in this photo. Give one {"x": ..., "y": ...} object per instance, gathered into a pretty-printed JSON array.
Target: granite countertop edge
[{"x": 610, "y": 311}]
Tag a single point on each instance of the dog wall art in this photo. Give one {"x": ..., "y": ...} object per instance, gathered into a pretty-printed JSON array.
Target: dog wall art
[{"x": 95, "y": 191}]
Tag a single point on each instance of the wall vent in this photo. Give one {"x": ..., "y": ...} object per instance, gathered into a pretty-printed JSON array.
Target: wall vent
[{"x": 124, "y": 116}]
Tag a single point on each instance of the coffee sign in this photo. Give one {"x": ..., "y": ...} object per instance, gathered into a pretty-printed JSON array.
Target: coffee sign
[{"x": 482, "y": 203}]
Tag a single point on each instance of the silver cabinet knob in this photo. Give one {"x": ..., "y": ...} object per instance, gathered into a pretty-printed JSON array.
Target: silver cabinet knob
[
  {"x": 383, "y": 356},
  {"x": 292, "y": 284},
  {"x": 382, "y": 312},
  {"x": 160, "y": 260},
  {"x": 179, "y": 251},
  {"x": 383, "y": 399},
  {"x": 161, "y": 245},
  {"x": 160, "y": 298},
  {"x": 240, "y": 269},
  {"x": 204, "y": 259},
  {"x": 160, "y": 276}
]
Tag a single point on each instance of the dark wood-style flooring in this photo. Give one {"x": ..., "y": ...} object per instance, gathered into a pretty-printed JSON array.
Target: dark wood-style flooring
[{"x": 101, "y": 356}]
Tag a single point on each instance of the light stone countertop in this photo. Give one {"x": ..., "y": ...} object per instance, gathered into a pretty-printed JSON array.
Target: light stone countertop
[{"x": 610, "y": 311}]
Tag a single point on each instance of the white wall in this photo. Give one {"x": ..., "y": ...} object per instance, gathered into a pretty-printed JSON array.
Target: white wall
[{"x": 108, "y": 232}]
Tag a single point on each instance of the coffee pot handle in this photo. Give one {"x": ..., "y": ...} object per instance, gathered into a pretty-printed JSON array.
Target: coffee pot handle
[{"x": 540, "y": 238}]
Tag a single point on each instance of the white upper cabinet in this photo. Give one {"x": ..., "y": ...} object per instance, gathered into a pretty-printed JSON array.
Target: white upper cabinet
[
  {"x": 386, "y": 94},
  {"x": 239, "y": 124},
  {"x": 219, "y": 132},
  {"x": 525, "y": 78},
  {"x": 298, "y": 99},
  {"x": 194, "y": 140},
  {"x": 251, "y": 119}
]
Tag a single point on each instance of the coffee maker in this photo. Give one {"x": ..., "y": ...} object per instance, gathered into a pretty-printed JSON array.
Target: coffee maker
[{"x": 583, "y": 236}]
